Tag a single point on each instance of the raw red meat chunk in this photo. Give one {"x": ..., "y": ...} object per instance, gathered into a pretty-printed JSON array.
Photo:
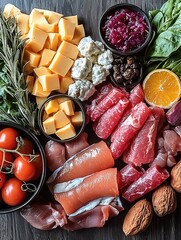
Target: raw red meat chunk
[
  {"x": 108, "y": 121},
  {"x": 129, "y": 129},
  {"x": 151, "y": 179}
]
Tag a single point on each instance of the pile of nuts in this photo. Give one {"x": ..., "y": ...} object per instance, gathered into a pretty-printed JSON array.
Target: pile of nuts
[
  {"x": 126, "y": 70},
  {"x": 164, "y": 202}
]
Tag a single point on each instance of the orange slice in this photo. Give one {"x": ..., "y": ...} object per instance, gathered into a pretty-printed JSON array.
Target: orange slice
[{"x": 162, "y": 88}]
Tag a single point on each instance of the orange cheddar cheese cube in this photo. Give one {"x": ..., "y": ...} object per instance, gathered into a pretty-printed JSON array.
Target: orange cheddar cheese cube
[
  {"x": 61, "y": 119},
  {"x": 32, "y": 58},
  {"x": 65, "y": 83},
  {"x": 77, "y": 119},
  {"x": 46, "y": 57},
  {"x": 73, "y": 19},
  {"x": 52, "y": 106},
  {"x": 68, "y": 49},
  {"x": 66, "y": 132},
  {"x": 78, "y": 34},
  {"x": 67, "y": 107},
  {"x": 51, "y": 16},
  {"x": 40, "y": 101},
  {"x": 45, "y": 116},
  {"x": 40, "y": 71},
  {"x": 37, "y": 17},
  {"x": 54, "y": 40},
  {"x": 37, "y": 39},
  {"x": 62, "y": 99},
  {"x": 66, "y": 29},
  {"x": 49, "y": 82},
  {"x": 61, "y": 64},
  {"x": 30, "y": 82},
  {"x": 28, "y": 69},
  {"x": 46, "y": 27},
  {"x": 49, "y": 126},
  {"x": 38, "y": 90},
  {"x": 23, "y": 23}
]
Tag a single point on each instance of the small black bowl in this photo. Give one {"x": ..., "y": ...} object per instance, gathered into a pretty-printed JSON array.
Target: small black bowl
[
  {"x": 78, "y": 107},
  {"x": 39, "y": 182},
  {"x": 112, "y": 10}
]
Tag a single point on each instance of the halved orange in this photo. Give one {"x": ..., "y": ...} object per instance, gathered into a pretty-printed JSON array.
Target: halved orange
[{"x": 162, "y": 88}]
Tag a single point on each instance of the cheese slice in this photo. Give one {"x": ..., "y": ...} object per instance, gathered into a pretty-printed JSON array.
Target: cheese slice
[
  {"x": 37, "y": 39},
  {"x": 61, "y": 119},
  {"x": 46, "y": 57},
  {"x": 66, "y": 29},
  {"x": 23, "y": 23},
  {"x": 68, "y": 49},
  {"x": 67, "y": 107},
  {"x": 66, "y": 132},
  {"x": 49, "y": 82},
  {"x": 61, "y": 64},
  {"x": 77, "y": 119},
  {"x": 52, "y": 107},
  {"x": 40, "y": 71},
  {"x": 49, "y": 126}
]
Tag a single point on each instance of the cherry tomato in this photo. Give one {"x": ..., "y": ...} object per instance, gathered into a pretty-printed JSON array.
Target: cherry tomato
[
  {"x": 8, "y": 138},
  {"x": 2, "y": 179},
  {"x": 8, "y": 159},
  {"x": 25, "y": 148},
  {"x": 12, "y": 193},
  {"x": 23, "y": 169},
  {"x": 37, "y": 162}
]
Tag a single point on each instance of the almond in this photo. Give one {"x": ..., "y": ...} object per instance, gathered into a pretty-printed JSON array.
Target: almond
[
  {"x": 138, "y": 218},
  {"x": 176, "y": 177},
  {"x": 164, "y": 200}
]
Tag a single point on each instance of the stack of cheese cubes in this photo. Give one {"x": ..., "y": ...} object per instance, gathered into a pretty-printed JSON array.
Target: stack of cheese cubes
[
  {"x": 50, "y": 50},
  {"x": 60, "y": 118}
]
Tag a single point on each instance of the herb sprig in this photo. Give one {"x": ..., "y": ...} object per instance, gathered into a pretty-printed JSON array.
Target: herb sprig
[{"x": 15, "y": 104}]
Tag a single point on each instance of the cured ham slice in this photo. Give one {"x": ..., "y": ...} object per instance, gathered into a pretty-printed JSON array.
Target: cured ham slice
[
  {"x": 108, "y": 121},
  {"x": 94, "y": 158},
  {"x": 136, "y": 96},
  {"x": 108, "y": 101},
  {"x": 142, "y": 149},
  {"x": 55, "y": 154},
  {"x": 76, "y": 145},
  {"x": 151, "y": 179},
  {"x": 47, "y": 216},
  {"x": 74, "y": 194},
  {"x": 128, "y": 175},
  {"x": 129, "y": 129}
]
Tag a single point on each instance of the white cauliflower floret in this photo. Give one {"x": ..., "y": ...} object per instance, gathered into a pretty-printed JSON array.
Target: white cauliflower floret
[
  {"x": 105, "y": 58},
  {"x": 100, "y": 45},
  {"x": 87, "y": 47},
  {"x": 98, "y": 74},
  {"x": 82, "y": 89},
  {"x": 81, "y": 68}
]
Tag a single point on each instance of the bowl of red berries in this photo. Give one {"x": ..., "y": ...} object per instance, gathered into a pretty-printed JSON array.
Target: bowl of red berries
[
  {"x": 125, "y": 29},
  {"x": 22, "y": 167}
]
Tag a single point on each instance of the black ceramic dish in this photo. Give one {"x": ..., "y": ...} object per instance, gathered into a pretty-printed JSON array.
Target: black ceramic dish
[
  {"x": 110, "y": 12},
  {"x": 39, "y": 182},
  {"x": 78, "y": 107}
]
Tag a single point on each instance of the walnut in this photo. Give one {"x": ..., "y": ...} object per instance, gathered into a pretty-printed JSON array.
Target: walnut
[
  {"x": 138, "y": 218},
  {"x": 176, "y": 177},
  {"x": 164, "y": 200}
]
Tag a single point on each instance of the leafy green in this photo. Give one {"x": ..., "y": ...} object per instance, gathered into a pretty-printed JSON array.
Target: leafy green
[{"x": 164, "y": 50}]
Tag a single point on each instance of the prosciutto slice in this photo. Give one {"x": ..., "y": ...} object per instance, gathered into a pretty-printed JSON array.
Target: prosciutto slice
[
  {"x": 128, "y": 175},
  {"x": 136, "y": 96},
  {"x": 94, "y": 158},
  {"x": 151, "y": 179},
  {"x": 73, "y": 195},
  {"x": 129, "y": 129},
  {"x": 108, "y": 101},
  {"x": 108, "y": 121}
]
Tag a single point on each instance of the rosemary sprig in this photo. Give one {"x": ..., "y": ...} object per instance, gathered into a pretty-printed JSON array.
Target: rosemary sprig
[{"x": 15, "y": 104}]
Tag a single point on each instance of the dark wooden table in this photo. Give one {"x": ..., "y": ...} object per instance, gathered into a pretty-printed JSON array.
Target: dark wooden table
[{"x": 13, "y": 226}]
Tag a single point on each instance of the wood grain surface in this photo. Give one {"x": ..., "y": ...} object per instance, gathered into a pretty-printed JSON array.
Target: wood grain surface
[{"x": 13, "y": 226}]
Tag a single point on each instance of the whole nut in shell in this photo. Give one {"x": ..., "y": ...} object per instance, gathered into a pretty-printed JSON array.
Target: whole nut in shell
[
  {"x": 138, "y": 218},
  {"x": 164, "y": 200},
  {"x": 176, "y": 177}
]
